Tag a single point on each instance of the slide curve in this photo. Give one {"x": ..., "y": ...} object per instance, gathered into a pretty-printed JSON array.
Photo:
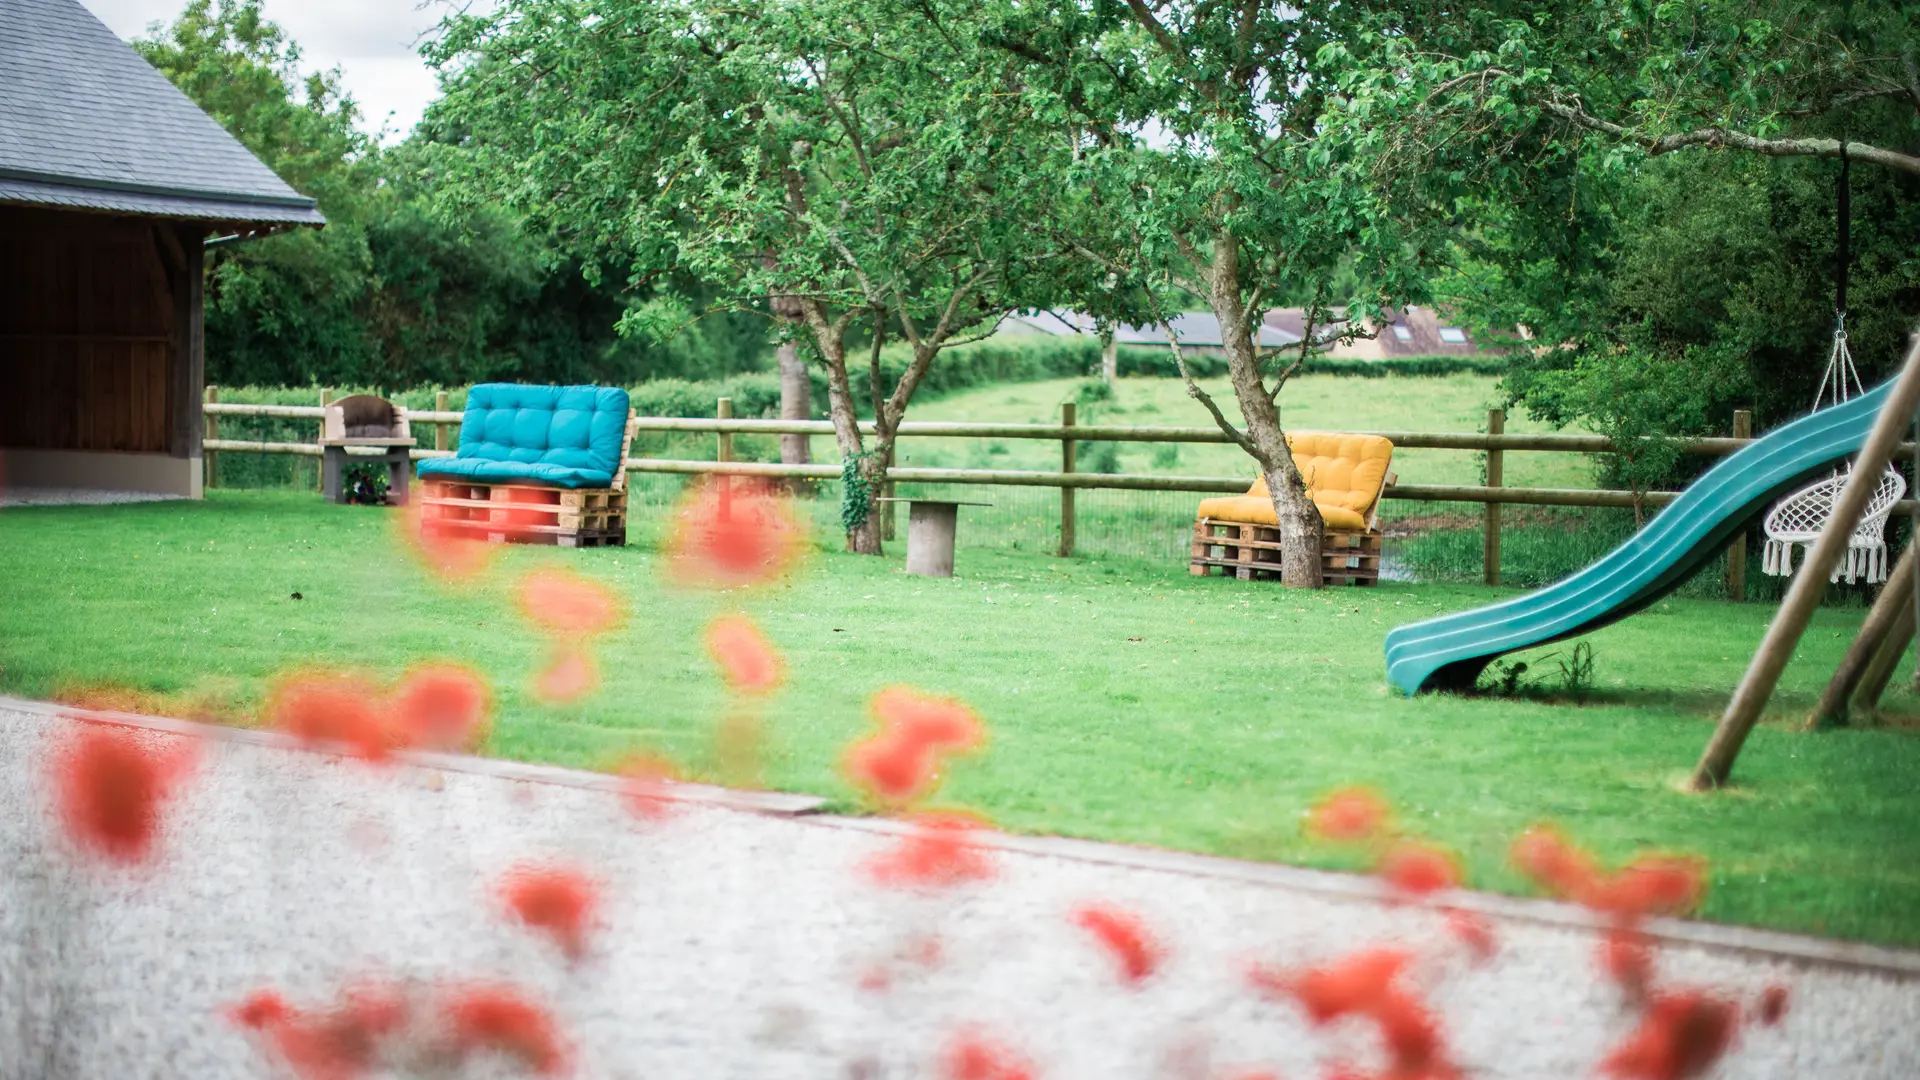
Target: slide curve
[{"x": 1449, "y": 651}]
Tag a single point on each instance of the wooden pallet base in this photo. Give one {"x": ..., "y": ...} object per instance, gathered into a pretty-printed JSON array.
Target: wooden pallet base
[
  {"x": 1249, "y": 552},
  {"x": 524, "y": 514}
]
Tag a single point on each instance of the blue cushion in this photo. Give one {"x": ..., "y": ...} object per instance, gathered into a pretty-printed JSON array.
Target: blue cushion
[{"x": 556, "y": 436}]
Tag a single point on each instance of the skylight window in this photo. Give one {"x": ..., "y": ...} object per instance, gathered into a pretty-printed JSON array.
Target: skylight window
[
  {"x": 1402, "y": 333},
  {"x": 1453, "y": 335}
]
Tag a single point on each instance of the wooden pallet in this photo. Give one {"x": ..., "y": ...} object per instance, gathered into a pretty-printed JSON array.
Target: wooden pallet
[
  {"x": 525, "y": 514},
  {"x": 1249, "y": 552}
]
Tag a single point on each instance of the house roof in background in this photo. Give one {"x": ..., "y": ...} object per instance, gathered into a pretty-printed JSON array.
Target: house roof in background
[
  {"x": 86, "y": 123},
  {"x": 1195, "y": 328},
  {"x": 1414, "y": 331}
]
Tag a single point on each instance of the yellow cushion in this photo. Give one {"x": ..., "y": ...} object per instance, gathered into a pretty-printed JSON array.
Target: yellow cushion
[
  {"x": 1258, "y": 510},
  {"x": 1343, "y": 473}
]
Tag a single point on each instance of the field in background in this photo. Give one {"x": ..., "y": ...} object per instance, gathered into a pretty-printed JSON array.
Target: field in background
[{"x": 1127, "y": 701}]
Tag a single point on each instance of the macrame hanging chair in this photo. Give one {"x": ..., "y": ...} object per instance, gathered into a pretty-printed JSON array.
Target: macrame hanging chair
[{"x": 1799, "y": 518}]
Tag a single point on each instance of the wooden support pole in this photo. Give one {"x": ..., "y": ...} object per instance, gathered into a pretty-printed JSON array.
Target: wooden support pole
[
  {"x": 1886, "y": 660},
  {"x": 1737, "y": 551},
  {"x": 723, "y": 409},
  {"x": 211, "y": 458},
  {"x": 1895, "y": 596},
  {"x": 439, "y": 426},
  {"x": 1809, "y": 581},
  {"x": 1496, "y": 468},
  {"x": 1067, "y": 452},
  {"x": 320, "y": 432}
]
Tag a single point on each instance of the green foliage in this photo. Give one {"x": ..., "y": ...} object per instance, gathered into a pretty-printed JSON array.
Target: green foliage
[
  {"x": 1659, "y": 190},
  {"x": 393, "y": 291},
  {"x": 366, "y": 483}
]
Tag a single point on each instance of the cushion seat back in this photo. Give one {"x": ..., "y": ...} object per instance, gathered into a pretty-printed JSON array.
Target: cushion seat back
[
  {"x": 558, "y": 436},
  {"x": 1344, "y": 475}
]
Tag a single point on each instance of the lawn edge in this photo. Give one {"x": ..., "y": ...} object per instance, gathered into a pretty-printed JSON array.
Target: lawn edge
[
  {"x": 775, "y": 803},
  {"x": 1798, "y": 949}
]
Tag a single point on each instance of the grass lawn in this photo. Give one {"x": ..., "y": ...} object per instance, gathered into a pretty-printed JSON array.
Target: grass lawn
[{"x": 1127, "y": 700}]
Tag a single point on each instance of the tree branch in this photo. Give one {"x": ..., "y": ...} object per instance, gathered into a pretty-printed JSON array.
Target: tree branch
[{"x": 1193, "y": 387}]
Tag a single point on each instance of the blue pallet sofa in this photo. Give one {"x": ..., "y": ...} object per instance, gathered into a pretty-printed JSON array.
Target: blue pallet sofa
[{"x": 540, "y": 436}]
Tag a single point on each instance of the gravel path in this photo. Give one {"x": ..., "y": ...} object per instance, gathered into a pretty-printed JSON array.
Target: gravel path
[{"x": 733, "y": 942}]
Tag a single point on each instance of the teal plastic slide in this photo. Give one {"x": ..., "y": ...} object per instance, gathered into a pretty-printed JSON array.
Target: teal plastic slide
[{"x": 1448, "y": 652}]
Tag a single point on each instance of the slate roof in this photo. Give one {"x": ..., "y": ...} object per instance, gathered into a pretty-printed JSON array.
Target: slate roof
[
  {"x": 86, "y": 123},
  {"x": 1195, "y": 328}
]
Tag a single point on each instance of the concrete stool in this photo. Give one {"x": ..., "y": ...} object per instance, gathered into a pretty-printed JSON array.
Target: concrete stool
[{"x": 931, "y": 524}]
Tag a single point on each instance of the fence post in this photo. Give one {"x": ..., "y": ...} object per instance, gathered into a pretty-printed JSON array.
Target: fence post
[
  {"x": 723, "y": 410},
  {"x": 319, "y": 471},
  {"x": 439, "y": 426},
  {"x": 1737, "y": 552},
  {"x": 211, "y": 458},
  {"x": 1067, "y": 446},
  {"x": 1496, "y": 425}
]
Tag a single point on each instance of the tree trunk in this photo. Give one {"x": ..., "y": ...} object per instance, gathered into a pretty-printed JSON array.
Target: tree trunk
[
  {"x": 1299, "y": 519},
  {"x": 796, "y": 403},
  {"x": 831, "y": 339},
  {"x": 1109, "y": 354},
  {"x": 796, "y": 390},
  {"x": 866, "y": 540}
]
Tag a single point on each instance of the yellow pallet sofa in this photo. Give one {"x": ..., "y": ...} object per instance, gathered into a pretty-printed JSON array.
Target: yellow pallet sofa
[{"x": 1238, "y": 535}]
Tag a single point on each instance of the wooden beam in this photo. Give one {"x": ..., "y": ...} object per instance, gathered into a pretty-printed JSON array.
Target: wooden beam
[
  {"x": 186, "y": 358},
  {"x": 1810, "y": 581},
  {"x": 1879, "y": 672},
  {"x": 1895, "y": 597}
]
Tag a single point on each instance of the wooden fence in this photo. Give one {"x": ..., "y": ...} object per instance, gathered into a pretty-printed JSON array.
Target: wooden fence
[{"x": 1495, "y": 442}]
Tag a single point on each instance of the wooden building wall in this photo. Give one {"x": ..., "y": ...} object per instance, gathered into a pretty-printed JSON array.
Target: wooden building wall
[{"x": 99, "y": 317}]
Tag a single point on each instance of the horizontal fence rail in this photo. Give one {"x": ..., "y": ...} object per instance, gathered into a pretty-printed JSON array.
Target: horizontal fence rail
[{"x": 1494, "y": 442}]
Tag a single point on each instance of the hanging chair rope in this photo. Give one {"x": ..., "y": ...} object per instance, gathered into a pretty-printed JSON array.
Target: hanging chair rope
[{"x": 1799, "y": 518}]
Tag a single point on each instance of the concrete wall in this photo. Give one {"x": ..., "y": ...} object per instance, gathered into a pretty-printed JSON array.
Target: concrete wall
[{"x": 162, "y": 474}]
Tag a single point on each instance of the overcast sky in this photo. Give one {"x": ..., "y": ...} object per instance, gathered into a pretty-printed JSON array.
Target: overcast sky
[{"x": 373, "y": 42}]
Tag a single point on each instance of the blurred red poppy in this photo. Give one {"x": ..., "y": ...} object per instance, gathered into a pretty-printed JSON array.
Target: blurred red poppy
[
  {"x": 442, "y": 706},
  {"x": 1626, "y": 955},
  {"x": 1772, "y": 1007},
  {"x": 1681, "y": 1035},
  {"x": 110, "y": 785},
  {"x": 1349, "y": 815},
  {"x": 261, "y": 1009},
  {"x": 570, "y": 675},
  {"x": 340, "y": 1043},
  {"x": 922, "y": 719},
  {"x": 891, "y": 769},
  {"x": 1133, "y": 946},
  {"x": 500, "y": 1018},
  {"x": 1418, "y": 870},
  {"x": 1475, "y": 932},
  {"x": 746, "y": 658},
  {"x": 971, "y": 1055},
  {"x": 940, "y": 852},
  {"x": 335, "y": 711},
  {"x": 1651, "y": 885},
  {"x": 448, "y": 552},
  {"x": 648, "y": 790},
  {"x": 734, "y": 532},
  {"x": 1544, "y": 854},
  {"x": 566, "y": 604},
  {"x": 900, "y": 764},
  {"x": 558, "y": 901},
  {"x": 1355, "y": 984}
]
